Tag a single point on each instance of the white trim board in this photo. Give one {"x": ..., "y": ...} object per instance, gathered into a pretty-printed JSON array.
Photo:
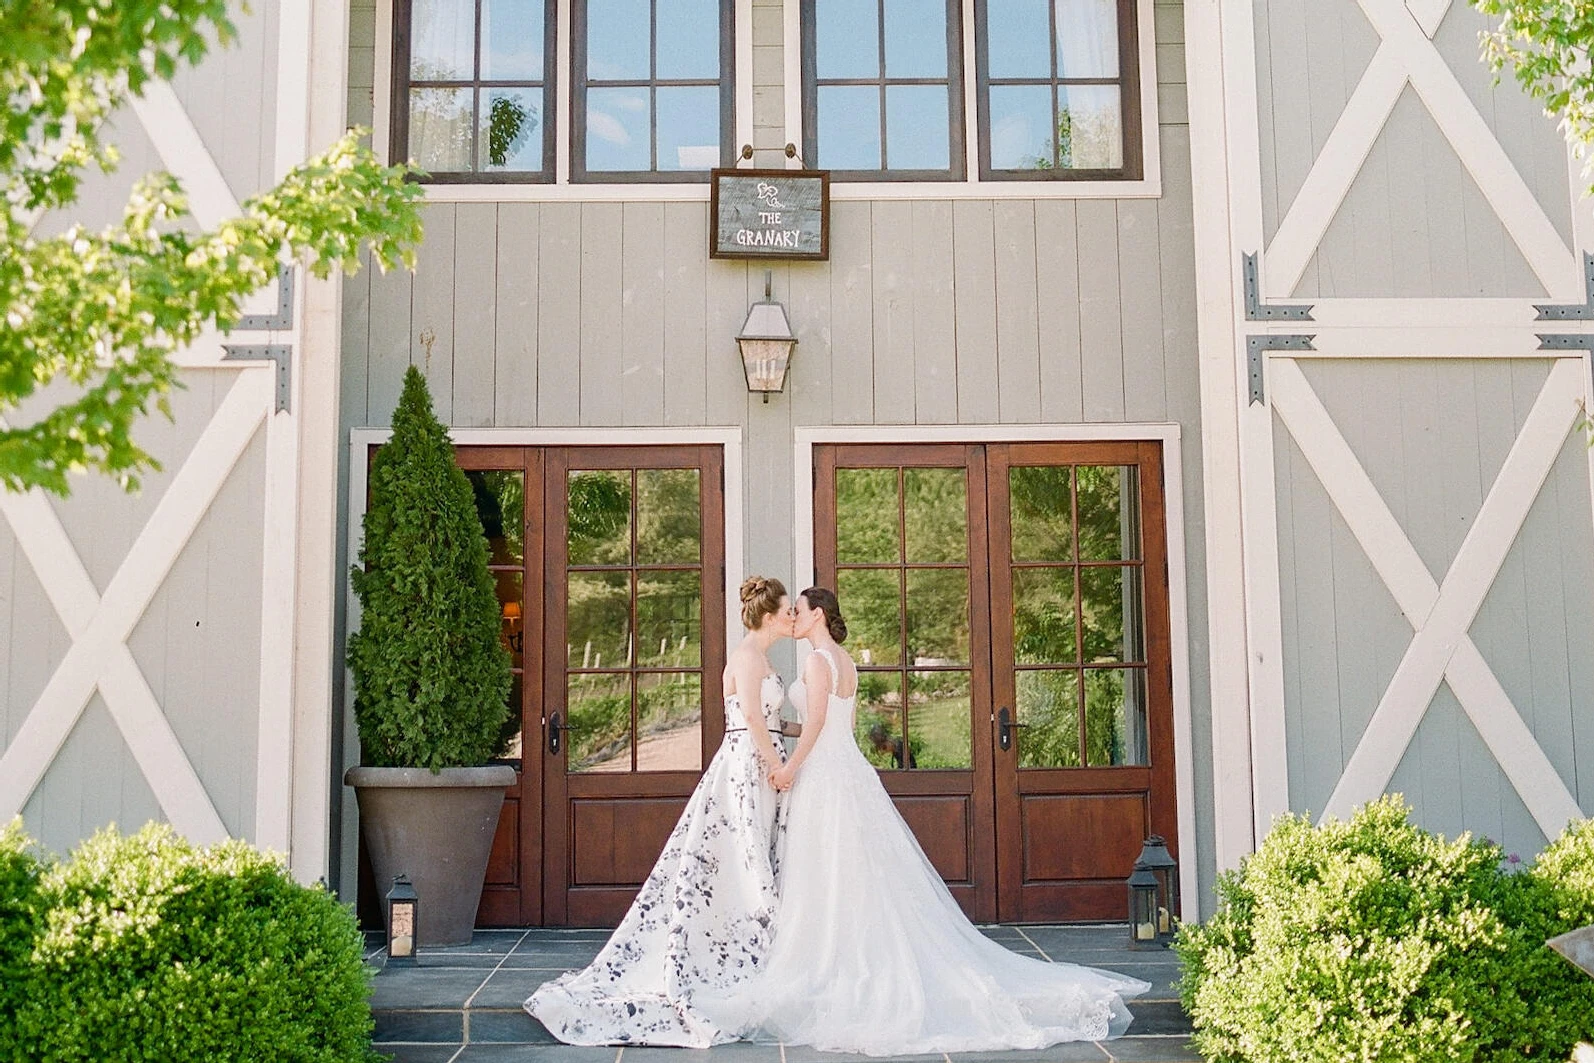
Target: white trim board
[{"x": 805, "y": 439}]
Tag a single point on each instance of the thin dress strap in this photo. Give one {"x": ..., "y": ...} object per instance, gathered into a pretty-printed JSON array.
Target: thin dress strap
[{"x": 835, "y": 673}]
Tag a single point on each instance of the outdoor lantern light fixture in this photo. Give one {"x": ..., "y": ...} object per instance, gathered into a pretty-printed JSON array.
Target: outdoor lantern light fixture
[
  {"x": 766, "y": 341},
  {"x": 1155, "y": 856},
  {"x": 1142, "y": 908},
  {"x": 402, "y": 912}
]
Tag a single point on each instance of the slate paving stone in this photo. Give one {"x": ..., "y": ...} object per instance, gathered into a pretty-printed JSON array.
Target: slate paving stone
[
  {"x": 419, "y": 1053},
  {"x": 475, "y": 1053},
  {"x": 733, "y": 1053},
  {"x": 506, "y": 1026},
  {"x": 1152, "y": 1050},
  {"x": 1068, "y": 1052},
  {"x": 425, "y": 987},
  {"x": 507, "y": 988},
  {"x": 1158, "y": 1017},
  {"x": 432, "y": 1027},
  {"x": 805, "y": 1054}
]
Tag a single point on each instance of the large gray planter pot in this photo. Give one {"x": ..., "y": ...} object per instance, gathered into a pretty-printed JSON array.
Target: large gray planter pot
[{"x": 437, "y": 829}]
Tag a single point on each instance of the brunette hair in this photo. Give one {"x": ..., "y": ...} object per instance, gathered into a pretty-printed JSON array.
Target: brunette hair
[
  {"x": 824, "y": 600},
  {"x": 761, "y": 597}
]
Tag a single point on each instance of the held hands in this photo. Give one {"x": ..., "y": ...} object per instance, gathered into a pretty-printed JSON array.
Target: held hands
[{"x": 782, "y": 777}]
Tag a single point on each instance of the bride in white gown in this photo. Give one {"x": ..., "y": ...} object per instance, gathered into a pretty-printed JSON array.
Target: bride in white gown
[
  {"x": 871, "y": 952},
  {"x": 703, "y": 920}
]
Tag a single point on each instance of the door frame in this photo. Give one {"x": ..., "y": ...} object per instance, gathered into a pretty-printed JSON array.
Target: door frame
[
  {"x": 1168, "y": 436},
  {"x": 728, "y": 438}
]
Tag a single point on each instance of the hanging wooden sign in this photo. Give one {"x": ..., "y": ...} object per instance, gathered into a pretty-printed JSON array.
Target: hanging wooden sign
[{"x": 769, "y": 214}]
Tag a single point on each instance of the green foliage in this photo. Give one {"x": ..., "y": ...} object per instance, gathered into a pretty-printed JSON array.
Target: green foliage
[
  {"x": 155, "y": 949},
  {"x": 1546, "y": 43},
  {"x": 103, "y": 312},
  {"x": 431, "y": 674},
  {"x": 1375, "y": 940},
  {"x": 21, "y": 917}
]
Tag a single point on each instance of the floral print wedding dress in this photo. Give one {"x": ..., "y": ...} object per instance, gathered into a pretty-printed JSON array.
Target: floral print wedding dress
[{"x": 702, "y": 922}]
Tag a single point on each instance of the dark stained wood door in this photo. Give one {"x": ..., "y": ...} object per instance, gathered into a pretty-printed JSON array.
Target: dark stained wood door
[
  {"x": 1008, "y": 613},
  {"x": 502, "y": 479},
  {"x": 633, "y": 648},
  {"x": 1081, "y": 660},
  {"x": 609, "y": 566},
  {"x": 901, "y": 537}
]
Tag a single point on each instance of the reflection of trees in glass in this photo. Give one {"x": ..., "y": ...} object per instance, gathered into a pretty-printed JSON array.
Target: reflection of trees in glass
[
  {"x": 501, "y": 505},
  {"x": 599, "y": 512},
  {"x": 509, "y": 125},
  {"x": 1087, "y": 142},
  {"x": 669, "y": 516}
]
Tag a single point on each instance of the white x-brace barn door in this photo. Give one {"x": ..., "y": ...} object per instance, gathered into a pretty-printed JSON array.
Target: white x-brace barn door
[
  {"x": 1250, "y": 317},
  {"x": 262, "y": 398}
]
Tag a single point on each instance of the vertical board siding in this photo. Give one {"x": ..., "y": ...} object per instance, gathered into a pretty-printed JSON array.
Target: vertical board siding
[
  {"x": 432, "y": 341},
  {"x": 974, "y": 277},
  {"x": 685, "y": 314},
  {"x": 476, "y": 229},
  {"x": 934, "y": 373},
  {"x": 559, "y": 314},
  {"x": 93, "y": 782},
  {"x": 851, "y": 314},
  {"x": 891, "y": 235},
  {"x": 642, "y": 315},
  {"x": 1017, "y": 338},
  {"x": 600, "y": 347},
  {"x": 514, "y": 347}
]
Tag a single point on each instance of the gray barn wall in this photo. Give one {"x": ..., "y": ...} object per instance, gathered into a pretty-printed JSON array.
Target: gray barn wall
[
  {"x": 1431, "y": 434},
  {"x": 198, "y": 643},
  {"x": 1414, "y": 223},
  {"x": 929, "y": 312}
]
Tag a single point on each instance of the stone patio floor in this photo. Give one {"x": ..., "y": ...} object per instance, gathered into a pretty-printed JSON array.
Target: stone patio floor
[{"x": 462, "y": 1005}]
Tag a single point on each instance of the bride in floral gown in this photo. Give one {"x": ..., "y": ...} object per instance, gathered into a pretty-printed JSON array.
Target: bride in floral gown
[{"x": 704, "y": 919}]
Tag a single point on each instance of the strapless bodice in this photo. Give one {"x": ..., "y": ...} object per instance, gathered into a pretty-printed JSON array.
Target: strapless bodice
[{"x": 771, "y": 694}]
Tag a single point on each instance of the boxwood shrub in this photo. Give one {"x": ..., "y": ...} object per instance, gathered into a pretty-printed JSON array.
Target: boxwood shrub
[
  {"x": 1375, "y": 940},
  {"x": 155, "y": 949},
  {"x": 20, "y": 919}
]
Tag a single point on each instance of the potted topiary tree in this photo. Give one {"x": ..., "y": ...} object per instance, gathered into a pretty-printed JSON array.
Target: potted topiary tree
[{"x": 431, "y": 675}]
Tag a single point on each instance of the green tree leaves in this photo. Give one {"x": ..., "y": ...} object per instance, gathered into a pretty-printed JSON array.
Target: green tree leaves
[
  {"x": 1546, "y": 45},
  {"x": 99, "y": 314}
]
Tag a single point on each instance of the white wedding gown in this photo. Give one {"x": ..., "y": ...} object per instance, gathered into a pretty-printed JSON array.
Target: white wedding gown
[
  {"x": 703, "y": 919},
  {"x": 871, "y": 952}
]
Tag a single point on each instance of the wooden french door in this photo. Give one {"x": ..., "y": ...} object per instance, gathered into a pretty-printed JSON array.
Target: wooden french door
[
  {"x": 609, "y": 563},
  {"x": 1008, "y": 604}
]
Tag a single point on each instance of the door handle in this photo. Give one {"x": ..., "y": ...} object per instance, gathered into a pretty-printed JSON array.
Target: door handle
[
  {"x": 557, "y": 729},
  {"x": 1005, "y": 726}
]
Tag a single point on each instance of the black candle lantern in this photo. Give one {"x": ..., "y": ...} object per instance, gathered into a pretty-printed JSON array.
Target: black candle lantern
[
  {"x": 1154, "y": 854},
  {"x": 1143, "y": 908},
  {"x": 403, "y": 909}
]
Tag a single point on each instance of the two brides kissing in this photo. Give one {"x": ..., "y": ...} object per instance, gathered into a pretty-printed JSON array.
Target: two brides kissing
[{"x": 792, "y": 902}]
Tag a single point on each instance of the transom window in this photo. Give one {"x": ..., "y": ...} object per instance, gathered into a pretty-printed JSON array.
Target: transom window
[
  {"x": 651, "y": 89},
  {"x": 472, "y": 89},
  {"x": 1056, "y": 86},
  {"x": 886, "y": 90}
]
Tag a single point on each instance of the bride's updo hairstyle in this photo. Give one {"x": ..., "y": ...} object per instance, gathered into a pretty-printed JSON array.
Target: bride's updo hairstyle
[
  {"x": 761, "y": 597},
  {"x": 819, "y": 598}
]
